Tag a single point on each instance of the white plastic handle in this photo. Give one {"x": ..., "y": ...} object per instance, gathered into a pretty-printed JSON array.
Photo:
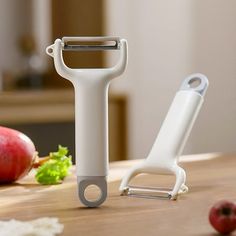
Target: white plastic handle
[
  {"x": 91, "y": 117},
  {"x": 172, "y": 137}
]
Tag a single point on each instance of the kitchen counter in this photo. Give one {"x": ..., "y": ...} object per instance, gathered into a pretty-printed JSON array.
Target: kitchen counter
[{"x": 210, "y": 177}]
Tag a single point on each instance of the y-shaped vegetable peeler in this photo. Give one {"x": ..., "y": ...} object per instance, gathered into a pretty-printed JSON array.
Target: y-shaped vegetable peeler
[
  {"x": 91, "y": 109},
  {"x": 169, "y": 144}
]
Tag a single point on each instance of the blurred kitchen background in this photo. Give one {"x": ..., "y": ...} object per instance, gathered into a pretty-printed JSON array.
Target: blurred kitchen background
[{"x": 168, "y": 40}]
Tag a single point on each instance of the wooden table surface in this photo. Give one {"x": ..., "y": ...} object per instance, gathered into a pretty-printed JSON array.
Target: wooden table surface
[{"x": 210, "y": 177}]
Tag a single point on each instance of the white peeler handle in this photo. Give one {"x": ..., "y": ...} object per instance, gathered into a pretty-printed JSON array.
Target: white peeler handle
[
  {"x": 174, "y": 132},
  {"x": 179, "y": 121},
  {"x": 91, "y": 119}
]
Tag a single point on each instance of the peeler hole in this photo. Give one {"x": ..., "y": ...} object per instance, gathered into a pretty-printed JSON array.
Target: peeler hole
[
  {"x": 92, "y": 193},
  {"x": 194, "y": 82},
  {"x": 50, "y": 50}
]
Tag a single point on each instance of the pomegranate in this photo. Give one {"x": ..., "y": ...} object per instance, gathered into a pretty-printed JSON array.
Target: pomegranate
[{"x": 17, "y": 155}]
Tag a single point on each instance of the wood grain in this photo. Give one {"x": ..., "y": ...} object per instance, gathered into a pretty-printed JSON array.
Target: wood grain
[{"x": 209, "y": 180}]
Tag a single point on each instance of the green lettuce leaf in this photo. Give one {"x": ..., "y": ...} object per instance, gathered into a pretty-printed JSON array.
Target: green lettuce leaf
[{"x": 56, "y": 168}]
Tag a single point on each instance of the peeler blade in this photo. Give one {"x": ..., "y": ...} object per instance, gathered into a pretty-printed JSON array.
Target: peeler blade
[
  {"x": 90, "y": 43},
  {"x": 147, "y": 192}
]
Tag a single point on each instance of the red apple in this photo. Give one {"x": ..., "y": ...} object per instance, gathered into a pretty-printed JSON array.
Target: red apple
[
  {"x": 222, "y": 216},
  {"x": 17, "y": 154}
]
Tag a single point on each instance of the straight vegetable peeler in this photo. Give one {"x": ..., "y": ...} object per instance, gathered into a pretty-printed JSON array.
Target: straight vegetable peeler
[
  {"x": 169, "y": 144},
  {"x": 91, "y": 109}
]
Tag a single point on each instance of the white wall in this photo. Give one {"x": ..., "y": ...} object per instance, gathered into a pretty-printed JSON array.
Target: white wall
[
  {"x": 42, "y": 28},
  {"x": 167, "y": 41},
  {"x": 215, "y": 55},
  {"x": 20, "y": 18},
  {"x": 15, "y": 21}
]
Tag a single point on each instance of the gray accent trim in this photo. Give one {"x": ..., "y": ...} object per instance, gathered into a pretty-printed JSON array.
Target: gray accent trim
[
  {"x": 85, "y": 181},
  {"x": 201, "y": 88}
]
